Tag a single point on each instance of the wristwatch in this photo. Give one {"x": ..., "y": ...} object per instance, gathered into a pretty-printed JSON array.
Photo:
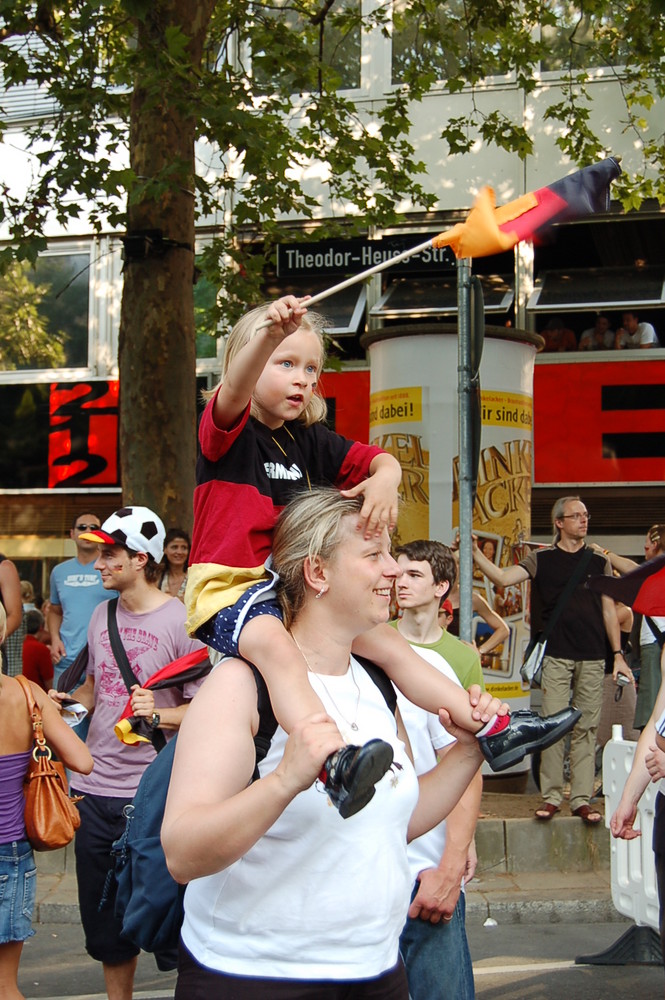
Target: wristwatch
[{"x": 155, "y": 720}]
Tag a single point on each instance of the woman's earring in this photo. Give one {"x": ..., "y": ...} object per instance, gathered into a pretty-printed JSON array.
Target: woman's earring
[{"x": 323, "y": 591}]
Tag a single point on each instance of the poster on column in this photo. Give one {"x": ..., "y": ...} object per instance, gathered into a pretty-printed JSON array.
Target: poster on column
[
  {"x": 414, "y": 416},
  {"x": 501, "y": 519},
  {"x": 396, "y": 425}
]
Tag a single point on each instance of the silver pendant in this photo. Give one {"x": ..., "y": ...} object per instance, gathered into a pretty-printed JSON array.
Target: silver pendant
[{"x": 354, "y": 727}]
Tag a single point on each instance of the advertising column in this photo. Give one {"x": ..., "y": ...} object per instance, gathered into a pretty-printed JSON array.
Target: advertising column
[{"x": 413, "y": 415}]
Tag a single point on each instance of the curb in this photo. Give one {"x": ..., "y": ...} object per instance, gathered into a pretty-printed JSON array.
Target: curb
[
  {"x": 507, "y": 898},
  {"x": 557, "y": 872}
]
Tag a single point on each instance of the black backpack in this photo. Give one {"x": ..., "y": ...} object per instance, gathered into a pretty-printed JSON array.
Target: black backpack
[{"x": 149, "y": 902}]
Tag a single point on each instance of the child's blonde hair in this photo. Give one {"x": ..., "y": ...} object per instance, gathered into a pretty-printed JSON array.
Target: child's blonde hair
[{"x": 246, "y": 329}]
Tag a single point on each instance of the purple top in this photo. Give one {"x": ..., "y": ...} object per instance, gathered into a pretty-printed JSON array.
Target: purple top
[{"x": 12, "y": 803}]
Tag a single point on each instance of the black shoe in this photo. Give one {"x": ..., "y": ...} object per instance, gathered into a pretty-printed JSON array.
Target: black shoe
[
  {"x": 525, "y": 733},
  {"x": 350, "y": 774}
]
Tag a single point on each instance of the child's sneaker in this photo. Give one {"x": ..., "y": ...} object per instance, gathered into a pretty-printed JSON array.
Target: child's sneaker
[
  {"x": 350, "y": 774},
  {"x": 525, "y": 732}
]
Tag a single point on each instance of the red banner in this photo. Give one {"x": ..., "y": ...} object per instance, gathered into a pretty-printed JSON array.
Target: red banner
[
  {"x": 83, "y": 434},
  {"x": 601, "y": 422}
]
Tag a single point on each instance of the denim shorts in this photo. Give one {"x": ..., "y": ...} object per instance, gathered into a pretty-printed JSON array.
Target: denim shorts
[{"x": 18, "y": 889}]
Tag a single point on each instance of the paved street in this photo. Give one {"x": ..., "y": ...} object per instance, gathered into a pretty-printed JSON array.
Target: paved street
[
  {"x": 537, "y": 962},
  {"x": 511, "y": 962}
]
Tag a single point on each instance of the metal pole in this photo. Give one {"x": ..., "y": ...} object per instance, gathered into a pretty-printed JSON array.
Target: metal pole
[{"x": 465, "y": 477}]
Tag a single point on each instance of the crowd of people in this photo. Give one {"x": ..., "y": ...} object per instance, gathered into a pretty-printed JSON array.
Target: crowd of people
[
  {"x": 628, "y": 333},
  {"x": 335, "y": 866}
]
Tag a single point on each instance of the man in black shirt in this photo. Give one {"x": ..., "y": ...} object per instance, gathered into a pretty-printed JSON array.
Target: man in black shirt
[{"x": 575, "y": 657}]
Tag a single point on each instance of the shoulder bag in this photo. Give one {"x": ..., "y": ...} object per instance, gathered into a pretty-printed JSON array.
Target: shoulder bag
[
  {"x": 51, "y": 816},
  {"x": 532, "y": 667}
]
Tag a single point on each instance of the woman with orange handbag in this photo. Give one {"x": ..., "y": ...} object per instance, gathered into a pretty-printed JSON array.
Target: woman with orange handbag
[{"x": 17, "y": 865}]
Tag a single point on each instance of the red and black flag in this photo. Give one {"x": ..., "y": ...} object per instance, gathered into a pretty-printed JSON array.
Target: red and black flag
[
  {"x": 130, "y": 728},
  {"x": 643, "y": 589},
  {"x": 489, "y": 230}
]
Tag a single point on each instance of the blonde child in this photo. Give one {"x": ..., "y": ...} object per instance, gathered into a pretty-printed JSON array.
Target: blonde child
[{"x": 261, "y": 440}]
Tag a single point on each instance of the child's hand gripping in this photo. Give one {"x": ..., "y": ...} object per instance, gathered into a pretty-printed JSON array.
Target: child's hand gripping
[
  {"x": 284, "y": 316},
  {"x": 379, "y": 509}
]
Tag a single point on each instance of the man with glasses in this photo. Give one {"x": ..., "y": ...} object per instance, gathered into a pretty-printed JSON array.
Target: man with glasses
[
  {"x": 575, "y": 657},
  {"x": 76, "y": 590}
]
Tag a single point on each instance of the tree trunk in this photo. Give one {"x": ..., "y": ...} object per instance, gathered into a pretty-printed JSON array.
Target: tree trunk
[{"x": 157, "y": 346}]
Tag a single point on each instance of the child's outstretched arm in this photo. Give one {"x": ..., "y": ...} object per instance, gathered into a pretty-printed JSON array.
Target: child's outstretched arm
[
  {"x": 244, "y": 370},
  {"x": 422, "y": 683},
  {"x": 379, "y": 491}
]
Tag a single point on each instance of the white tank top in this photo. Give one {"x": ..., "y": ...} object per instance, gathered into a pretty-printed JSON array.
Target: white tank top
[{"x": 318, "y": 897}]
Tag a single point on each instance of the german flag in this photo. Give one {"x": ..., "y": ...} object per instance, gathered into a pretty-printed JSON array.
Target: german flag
[
  {"x": 130, "y": 728},
  {"x": 643, "y": 589},
  {"x": 489, "y": 230}
]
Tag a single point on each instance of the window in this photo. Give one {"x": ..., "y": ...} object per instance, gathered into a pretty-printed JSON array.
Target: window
[
  {"x": 580, "y": 40},
  {"x": 430, "y": 297},
  {"x": 44, "y": 313},
  {"x": 419, "y": 46},
  {"x": 204, "y": 300},
  {"x": 343, "y": 312},
  {"x": 599, "y": 288},
  {"x": 335, "y": 41}
]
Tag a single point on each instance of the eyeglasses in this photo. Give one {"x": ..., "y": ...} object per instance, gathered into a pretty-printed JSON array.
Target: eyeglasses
[
  {"x": 88, "y": 527},
  {"x": 576, "y": 517}
]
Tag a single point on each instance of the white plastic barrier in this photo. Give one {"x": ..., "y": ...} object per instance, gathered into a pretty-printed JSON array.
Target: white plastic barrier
[{"x": 634, "y": 888}]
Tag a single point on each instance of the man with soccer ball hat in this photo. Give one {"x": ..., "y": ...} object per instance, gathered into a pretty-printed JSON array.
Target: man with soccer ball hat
[{"x": 151, "y": 626}]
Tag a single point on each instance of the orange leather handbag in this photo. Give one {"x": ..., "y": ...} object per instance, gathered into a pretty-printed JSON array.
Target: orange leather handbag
[{"x": 51, "y": 816}]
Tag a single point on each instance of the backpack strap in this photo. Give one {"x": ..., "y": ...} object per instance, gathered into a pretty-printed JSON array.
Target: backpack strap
[
  {"x": 659, "y": 636},
  {"x": 267, "y": 721},
  {"x": 382, "y": 681}
]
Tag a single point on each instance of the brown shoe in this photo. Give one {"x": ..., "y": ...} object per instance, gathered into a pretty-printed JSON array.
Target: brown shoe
[
  {"x": 545, "y": 812},
  {"x": 588, "y": 815}
]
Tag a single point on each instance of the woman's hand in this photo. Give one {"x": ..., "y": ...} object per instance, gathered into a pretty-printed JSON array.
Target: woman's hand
[
  {"x": 311, "y": 741},
  {"x": 464, "y": 737}
]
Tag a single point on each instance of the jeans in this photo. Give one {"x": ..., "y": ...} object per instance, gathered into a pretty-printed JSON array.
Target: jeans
[
  {"x": 437, "y": 958},
  {"x": 18, "y": 888}
]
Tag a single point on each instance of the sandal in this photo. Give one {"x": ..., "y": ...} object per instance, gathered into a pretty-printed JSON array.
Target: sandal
[
  {"x": 588, "y": 815},
  {"x": 545, "y": 812}
]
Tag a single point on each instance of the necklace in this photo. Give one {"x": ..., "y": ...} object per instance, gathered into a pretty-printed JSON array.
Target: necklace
[
  {"x": 353, "y": 725},
  {"x": 287, "y": 431}
]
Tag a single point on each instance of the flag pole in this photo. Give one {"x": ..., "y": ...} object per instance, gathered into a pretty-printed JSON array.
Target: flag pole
[
  {"x": 363, "y": 275},
  {"x": 464, "y": 432}
]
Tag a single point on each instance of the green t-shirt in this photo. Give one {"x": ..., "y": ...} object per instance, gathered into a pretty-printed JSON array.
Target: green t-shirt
[{"x": 464, "y": 660}]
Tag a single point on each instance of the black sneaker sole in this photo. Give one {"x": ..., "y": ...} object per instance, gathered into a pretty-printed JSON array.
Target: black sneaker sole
[
  {"x": 377, "y": 759},
  {"x": 517, "y": 754}
]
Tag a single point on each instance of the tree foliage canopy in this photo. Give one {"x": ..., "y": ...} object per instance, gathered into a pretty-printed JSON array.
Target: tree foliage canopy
[
  {"x": 264, "y": 101},
  {"x": 156, "y": 115}
]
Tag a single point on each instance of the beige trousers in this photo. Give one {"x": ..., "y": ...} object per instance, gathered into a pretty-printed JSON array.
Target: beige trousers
[{"x": 584, "y": 678}]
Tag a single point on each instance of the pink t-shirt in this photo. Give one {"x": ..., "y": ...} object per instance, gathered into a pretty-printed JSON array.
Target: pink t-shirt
[{"x": 151, "y": 640}]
